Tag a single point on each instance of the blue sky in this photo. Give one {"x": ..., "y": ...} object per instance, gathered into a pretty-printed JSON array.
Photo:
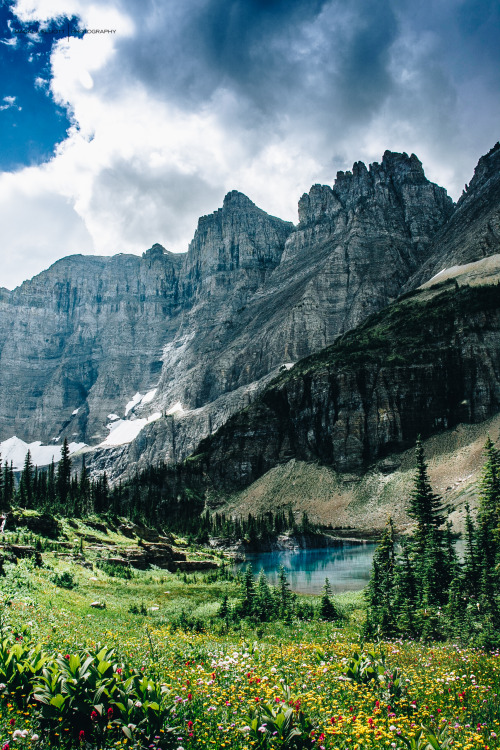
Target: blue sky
[
  {"x": 123, "y": 136},
  {"x": 30, "y": 122}
]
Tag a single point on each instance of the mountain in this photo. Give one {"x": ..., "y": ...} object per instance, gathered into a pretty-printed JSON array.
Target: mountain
[
  {"x": 144, "y": 357},
  {"x": 328, "y": 435},
  {"x": 425, "y": 363},
  {"x": 473, "y": 231}
]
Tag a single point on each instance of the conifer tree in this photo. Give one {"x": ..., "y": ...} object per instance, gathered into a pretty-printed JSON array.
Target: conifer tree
[
  {"x": 264, "y": 605},
  {"x": 63, "y": 478},
  {"x": 430, "y": 555},
  {"x": 406, "y": 596},
  {"x": 488, "y": 516},
  {"x": 381, "y": 589},
  {"x": 327, "y": 609},
  {"x": 426, "y": 508},
  {"x": 284, "y": 598},
  {"x": 247, "y": 605},
  {"x": 25, "y": 492},
  {"x": 50, "y": 497}
]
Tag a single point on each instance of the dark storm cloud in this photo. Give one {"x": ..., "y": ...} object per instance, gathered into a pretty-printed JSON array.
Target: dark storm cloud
[{"x": 278, "y": 56}]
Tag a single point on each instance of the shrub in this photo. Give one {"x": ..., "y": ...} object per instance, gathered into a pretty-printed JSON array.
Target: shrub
[{"x": 65, "y": 580}]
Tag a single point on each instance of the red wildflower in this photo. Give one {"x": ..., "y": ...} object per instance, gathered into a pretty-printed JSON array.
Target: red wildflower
[
  {"x": 12, "y": 722},
  {"x": 94, "y": 715},
  {"x": 190, "y": 697},
  {"x": 82, "y": 735},
  {"x": 110, "y": 712}
]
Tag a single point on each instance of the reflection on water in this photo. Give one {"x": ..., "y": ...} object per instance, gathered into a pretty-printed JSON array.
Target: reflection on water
[{"x": 347, "y": 566}]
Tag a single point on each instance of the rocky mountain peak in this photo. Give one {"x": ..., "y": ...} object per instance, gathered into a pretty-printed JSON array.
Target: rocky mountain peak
[
  {"x": 472, "y": 231},
  {"x": 403, "y": 167},
  {"x": 396, "y": 184},
  {"x": 199, "y": 332},
  {"x": 488, "y": 168},
  {"x": 155, "y": 252},
  {"x": 236, "y": 201}
]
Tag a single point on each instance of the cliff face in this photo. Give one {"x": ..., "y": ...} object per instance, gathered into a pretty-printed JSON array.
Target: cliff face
[
  {"x": 425, "y": 364},
  {"x": 77, "y": 340},
  {"x": 206, "y": 329},
  {"x": 473, "y": 231}
]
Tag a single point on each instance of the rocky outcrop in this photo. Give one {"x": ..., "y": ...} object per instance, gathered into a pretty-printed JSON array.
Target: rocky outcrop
[
  {"x": 425, "y": 364},
  {"x": 473, "y": 231},
  {"x": 198, "y": 335}
]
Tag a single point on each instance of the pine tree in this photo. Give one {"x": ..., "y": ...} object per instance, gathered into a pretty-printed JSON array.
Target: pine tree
[
  {"x": 406, "y": 596},
  {"x": 327, "y": 609},
  {"x": 50, "y": 497},
  {"x": 489, "y": 488},
  {"x": 247, "y": 605},
  {"x": 264, "y": 604},
  {"x": 63, "y": 478},
  {"x": 25, "y": 491},
  {"x": 381, "y": 588},
  {"x": 284, "y": 598},
  {"x": 429, "y": 550},
  {"x": 223, "y": 612},
  {"x": 488, "y": 516},
  {"x": 426, "y": 508}
]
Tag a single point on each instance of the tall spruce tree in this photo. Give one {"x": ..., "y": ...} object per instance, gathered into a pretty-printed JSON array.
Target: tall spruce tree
[
  {"x": 63, "y": 478},
  {"x": 425, "y": 507},
  {"x": 381, "y": 589},
  {"x": 25, "y": 490},
  {"x": 430, "y": 554}
]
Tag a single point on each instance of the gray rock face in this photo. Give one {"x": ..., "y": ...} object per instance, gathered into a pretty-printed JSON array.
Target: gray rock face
[
  {"x": 207, "y": 328},
  {"x": 421, "y": 366},
  {"x": 473, "y": 231}
]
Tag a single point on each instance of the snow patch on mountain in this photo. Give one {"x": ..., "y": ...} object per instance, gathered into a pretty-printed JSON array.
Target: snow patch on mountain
[
  {"x": 14, "y": 449},
  {"x": 133, "y": 402},
  {"x": 124, "y": 430}
]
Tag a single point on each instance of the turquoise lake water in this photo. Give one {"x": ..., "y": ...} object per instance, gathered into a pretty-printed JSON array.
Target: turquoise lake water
[{"x": 347, "y": 567}]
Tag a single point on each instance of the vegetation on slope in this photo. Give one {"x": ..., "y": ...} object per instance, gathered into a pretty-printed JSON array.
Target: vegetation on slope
[
  {"x": 189, "y": 661},
  {"x": 408, "y": 330}
]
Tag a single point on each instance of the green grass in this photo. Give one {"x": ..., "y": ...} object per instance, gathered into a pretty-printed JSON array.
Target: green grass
[{"x": 231, "y": 673}]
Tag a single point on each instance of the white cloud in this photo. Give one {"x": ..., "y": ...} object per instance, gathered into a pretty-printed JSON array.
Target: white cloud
[
  {"x": 149, "y": 153},
  {"x": 9, "y": 103}
]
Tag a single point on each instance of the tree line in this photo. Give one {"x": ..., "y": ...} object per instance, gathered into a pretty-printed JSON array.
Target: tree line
[
  {"x": 55, "y": 489},
  {"x": 59, "y": 489},
  {"x": 420, "y": 588}
]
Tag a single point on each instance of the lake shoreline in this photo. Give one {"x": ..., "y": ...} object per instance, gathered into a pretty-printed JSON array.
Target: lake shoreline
[{"x": 290, "y": 542}]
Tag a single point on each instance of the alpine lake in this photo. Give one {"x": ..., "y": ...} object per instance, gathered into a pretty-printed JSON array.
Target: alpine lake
[{"x": 347, "y": 566}]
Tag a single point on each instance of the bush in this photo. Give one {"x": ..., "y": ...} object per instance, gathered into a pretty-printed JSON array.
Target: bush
[
  {"x": 65, "y": 580},
  {"x": 115, "y": 571}
]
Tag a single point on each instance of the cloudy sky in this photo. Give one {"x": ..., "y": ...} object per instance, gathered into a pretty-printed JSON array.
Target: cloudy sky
[{"x": 122, "y": 136}]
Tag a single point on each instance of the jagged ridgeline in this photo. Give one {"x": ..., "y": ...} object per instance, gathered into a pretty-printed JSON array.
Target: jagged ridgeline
[
  {"x": 198, "y": 334},
  {"x": 142, "y": 358},
  {"x": 427, "y": 362}
]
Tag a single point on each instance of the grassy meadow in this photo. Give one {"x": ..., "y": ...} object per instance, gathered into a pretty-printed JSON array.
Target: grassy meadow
[{"x": 161, "y": 684}]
